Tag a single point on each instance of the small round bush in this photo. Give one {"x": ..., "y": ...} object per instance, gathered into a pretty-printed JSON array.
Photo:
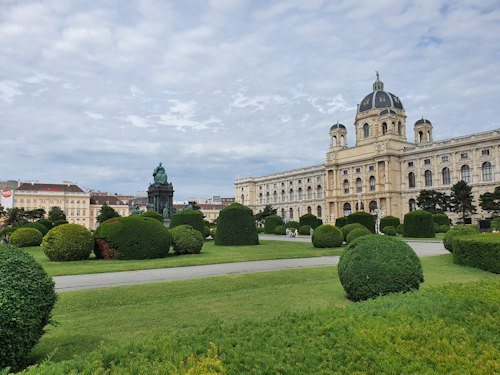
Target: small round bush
[
  {"x": 346, "y": 229},
  {"x": 24, "y": 237},
  {"x": 190, "y": 217},
  {"x": 443, "y": 228},
  {"x": 40, "y": 227},
  {"x": 186, "y": 240},
  {"x": 27, "y": 297},
  {"x": 374, "y": 265},
  {"x": 400, "y": 228},
  {"x": 363, "y": 218},
  {"x": 389, "y": 231},
  {"x": 389, "y": 221},
  {"x": 280, "y": 230},
  {"x": 46, "y": 223},
  {"x": 327, "y": 236},
  {"x": 305, "y": 230},
  {"x": 309, "y": 219},
  {"x": 60, "y": 222},
  {"x": 340, "y": 222},
  {"x": 236, "y": 226},
  {"x": 419, "y": 224},
  {"x": 131, "y": 237},
  {"x": 436, "y": 227},
  {"x": 495, "y": 223},
  {"x": 68, "y": 242},
  {"x": 456, "y": 231},
  {"x": 206, "y": 231},
  {"x": 212, "y": 232},
  {"x": 153, "y": 215},
  {"x": 271, "y": 222},
  {"x": 353, "y": 234},
  {"x": 441, "y": 219}
]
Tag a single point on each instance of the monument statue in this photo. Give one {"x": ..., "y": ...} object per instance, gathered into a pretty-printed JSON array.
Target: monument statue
[
  {"x": 159, "y": 175},
  {"x": 136, "y": 210},
  {"x": 166, "y": 211},
  {"x": 150, "y": 207},
  {"x": 160, "y": 194}
]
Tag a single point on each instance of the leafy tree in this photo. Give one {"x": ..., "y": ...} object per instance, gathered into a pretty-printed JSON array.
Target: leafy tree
[
  {"x": 15, "y": 217},
  {"x": 37, "y": 213},
  {"x": 491, "y": 201},
  {"x": 462, "y": 200},
  {"x": 268, "y": 211},
  {"x": 433, "y": 201},
  {"x": 106, "y": 213},
  {"x": 56, "y": 214}
]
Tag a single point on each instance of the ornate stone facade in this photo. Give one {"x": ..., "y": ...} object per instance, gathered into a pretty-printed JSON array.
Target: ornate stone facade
[{"x": 383, "y": 173}]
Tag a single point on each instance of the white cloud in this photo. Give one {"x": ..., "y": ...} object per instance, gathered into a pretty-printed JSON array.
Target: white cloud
[
  {"x": 94, "y": 116},
  {"x": 9, "y": 90}
]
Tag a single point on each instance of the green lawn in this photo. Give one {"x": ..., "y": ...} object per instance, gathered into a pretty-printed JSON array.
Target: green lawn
[
  {"x": 123, "y": 314},
  {"x": 210, "y": 254}
]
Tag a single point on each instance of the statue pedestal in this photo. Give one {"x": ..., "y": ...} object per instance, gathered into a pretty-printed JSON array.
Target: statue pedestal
[
  {"x": 161, "y": 196},
  {"x": 166, "y": 223}
]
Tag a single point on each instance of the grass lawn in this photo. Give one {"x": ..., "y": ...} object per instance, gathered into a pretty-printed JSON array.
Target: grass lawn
[
  {"x": 210, "y": 254},
  {"x": 228, "y": 310}
]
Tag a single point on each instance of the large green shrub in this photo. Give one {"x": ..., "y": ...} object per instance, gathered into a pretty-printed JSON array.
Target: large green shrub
[
  {"x": 495, "y": 223},
  {"x": 456, "y": 231},
  {"x": 346, "y": 229},
  {"x": 46, "y": 223},
  {"x": 305, "y": 230},
  {"x": 293, "y": 224},
  {"x": 236, "y": 226},
  {"x": 40, "y": 227},
  {"x": 443, "y": 228},
  {"x": 60, "y": 222},
  {"x": 131, "y": 237},
  {"x": 441, "y": 219},
  {"x": 400, "y": 228},
  {"x": 480, "y": 250},
  {"x": 188, "y": 217},
  {"x": 27, "y": 297},
  {"x": 309, "y": 219},
  {"x": 327, "y": 236},
  {"x": 206, "y": 231},
  {"x": 389, "y": 230},
  {"x": 153, "y": 215},
  {"x": 359, "y": 232},
  {"x": 377, "y": 265},
  {"x": 186, "y": 240},
  {"x": 340, "y": 222},
  {"x": 418, "y": 224},
  {"x": 363, "y": 218},
  {"x": 271, "y": 222},
  {"x": 280, "y": 230},
  {"x": 389, "y": 221},
  {"x": 24, "y": 237},
  {"x": 68, "y": 242}
]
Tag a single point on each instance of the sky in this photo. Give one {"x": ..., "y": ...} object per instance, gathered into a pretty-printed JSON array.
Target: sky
[{"x": 99, "y": 92}]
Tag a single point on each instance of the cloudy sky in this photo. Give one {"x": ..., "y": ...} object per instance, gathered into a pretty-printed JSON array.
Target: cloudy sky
[{"x": 99, "y": 92}]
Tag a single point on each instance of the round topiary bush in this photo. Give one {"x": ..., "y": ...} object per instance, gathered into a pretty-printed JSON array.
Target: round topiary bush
[
  {"x": 363, "y": 218},
  {"x": 206, "y": 231},
  {"x": 309, "y": 219},
  {"x": 186, "y": 240},
  {"x": 188, "y": 217},
  {"x": 280, "y": 230},
  {"x": 456, "y": 231},
  {"x": 305, "y": 230},
  {"x": 46, "y": 223},
  {"x": 495, "y": 223},
  {"x": 212, "y": 232},
  {"x": 346, "y": 229},
  {"x": 153, "y": 215},
  {"x": 27, "y": 297},
  {"x": 376, "y": 265},
  {"x": 24, "y": 237},
  {"x": 236, "y": 226},
  {"x": 68, "y": 242},
  {"x": 40, "y": 227},
  {"x": 389, "y": 221},
  {"x": 327, "y": 236},
  {"x": 60, "y": 222},
  {"x": 131, "y": 237},
  {"x": 443, "y": 228},
  {"x": 292, "y": 224},
  {"x": 271, "y": 222},
  {"x": 340, "y": 222},
  {"x": 418, "y": 224},
  {"x": 400, "y": 228},
  {"x": 359, "y": 232},
  {"x": 389, "y": 231},
  {"x": 441, "y": 219}
]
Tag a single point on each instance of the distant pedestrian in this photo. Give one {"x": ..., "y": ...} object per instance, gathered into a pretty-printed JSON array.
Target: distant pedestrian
[
  {"x": 311, "y": 231},
  {"x": 5, "y": 239},
  {"x": 296, "y": 233},
  {"x": 287, "y": 232}
]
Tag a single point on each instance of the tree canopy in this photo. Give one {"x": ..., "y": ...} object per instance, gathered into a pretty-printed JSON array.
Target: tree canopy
[
  {"x": 462, "y": 200},
  {"x": 56, "y": 213},
  {"x": 433, "y": 201},
  {"x": 490, "y": 202},
  {"x": 106, "y": 213},
  {"x": 268, "y": 211}
]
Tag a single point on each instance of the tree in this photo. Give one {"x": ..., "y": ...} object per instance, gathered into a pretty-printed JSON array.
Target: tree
[
  {"x": 268, "y": 211},
  {"x": 37, "y": 213},
  {"x": 433, "y": 201},
  {"x": 56, "y": 213},
  {"x": 15, "y": 217},
  {"x": 106, "y": 213},
  {"x": 491, "y": 201},
  {"x": 462, "y": 200}
]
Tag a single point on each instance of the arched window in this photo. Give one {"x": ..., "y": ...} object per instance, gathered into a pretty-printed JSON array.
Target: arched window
[
  {"x": 372, "y": 183},
  {"x": 428, "y": 178},
  {"x": 242, "y": 199},
  {"x": 346, "y": 187},
  {"x": 318, "y": 211},
  {"x": 301, "y": 194},
  {"x": 309, "y": 210},
  {"x": 487, "y": 171},
  {"x": 261, "y": 198},
  {"x": 320, "y": 191},
  {"x": 283, "y": 213},
  {"x": 309, "y": 192},
  {"x": 366, "y": 130},
  {"x": 347, "y": 209},
  {"x": 446, "y": 176},
  {"x": 384, "y": 128},
  {"x": 400, "y": 128},
  {"x": 465, "y": 171},
  {"x": 291, "y": 213},
  {"x": 268, "y": 197},
  {"x": 420, "y": 136},
  {"x": 283, "y": 196},
  {"x": 292, "y": 195},
  {"x": 411, "y": 180},
  {"x": 372, "y": 206},
  {"x": 359, "y": 185},
  {"x": 412, "y": 204},
  {"x": 275, "y": 197}
]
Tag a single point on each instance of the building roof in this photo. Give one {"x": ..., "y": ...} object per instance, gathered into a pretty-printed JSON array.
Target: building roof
[
  {"x": 66, "y": 188},
  {"x": 379, "y": 99},
  {"x": 110, "y": 200},
  {"x": 423, "y": 121}
]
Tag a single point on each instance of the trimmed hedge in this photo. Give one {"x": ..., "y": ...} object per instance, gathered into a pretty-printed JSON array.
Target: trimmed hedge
[
  {"x": 271, "y": 222},
  {"x": 443, "y": 228},
  {"x": 280, "y": 230},
  {"x": 305, "y": 230},
  {"x": 186, "y": 240},
  {"x": 153, "y": 215},
  {"x": 309, "y": 219},
  {"x": 188, "y": 217},
  {"x": 456, "y": 231},
  {"x": 68, "y": 242},
  {"x": 327, "y": 236},
  {"x": 340, "y": 222},
  {"x": 206, "y": 231},
  {"x": 392, "y": 221},
  {"x": 481, "y": 251},
  {"x": 346, "y": 229},
  {"x": 293, "y": 224},
  {"x": 441, "y": 219},
  {"x": 236, "y": 226},
  {"x": 400, "y": 228},
  {"x": 27, "y": 297},
  {"x": 389, "y": 230},
  {"x": 359, "y": 232},
  {"x": 131, "y": 237},
  {"x": 40, "y": 227},
  {"x": 495, "y": 223},
  {"x": 24, "y": 237},
  {"x": 363, "y": 218},
  {"x": 46, "y": 223},
  {"x": 419, "y": 224},
  {"x": 375, "y": 265}
]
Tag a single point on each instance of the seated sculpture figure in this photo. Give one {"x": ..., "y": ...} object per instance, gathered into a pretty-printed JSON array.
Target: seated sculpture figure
[{"x": 159, "y": 175}]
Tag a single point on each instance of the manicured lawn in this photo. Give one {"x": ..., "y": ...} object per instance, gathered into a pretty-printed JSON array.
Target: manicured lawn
[
  {"x": 438, "y": 238},
  {"x": 235, "y": 309},
  {"x": 210, "y": 254}
]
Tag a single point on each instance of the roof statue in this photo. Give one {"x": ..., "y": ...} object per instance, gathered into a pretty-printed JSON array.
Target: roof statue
[
  {"x": 160, "y": 175},
  {"x": 377, "y": 74}
]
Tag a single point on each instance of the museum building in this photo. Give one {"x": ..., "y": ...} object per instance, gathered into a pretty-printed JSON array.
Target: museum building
[{"x": 383, "y": 173}]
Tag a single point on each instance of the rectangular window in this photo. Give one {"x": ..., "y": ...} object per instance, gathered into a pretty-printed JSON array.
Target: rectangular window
[
  {"x": 485, "y": 152},
  {"x": 345, "y": 171},
  {"x": 427, "y": 161},
  {"x": 410, "y": 164},
  {"x": 72, "y": 201},
  {"x": 21, "y": 200},
  {"x": 300, "y": 181},
  {"x": 465, "y": 155},
  {"x": 28, "y": 200},
  {"x": 66, "y": 212},
  {"x": 444, "y": 158},
  {"x": 78, "y": 201},
  {"x": 318, "y": 178},
  {"x": 372, "y": 168},
  {"x": 51, "y": 201},
  {"x": 72, "y": 212},
  {"x": 34, "y": 200},
  {"x": 358, "y": 170},
  {"x": 83, "y": 213}
]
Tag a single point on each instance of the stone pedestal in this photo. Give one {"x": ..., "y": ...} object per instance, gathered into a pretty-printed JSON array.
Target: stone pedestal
[{"x": 161, "y": 196}]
